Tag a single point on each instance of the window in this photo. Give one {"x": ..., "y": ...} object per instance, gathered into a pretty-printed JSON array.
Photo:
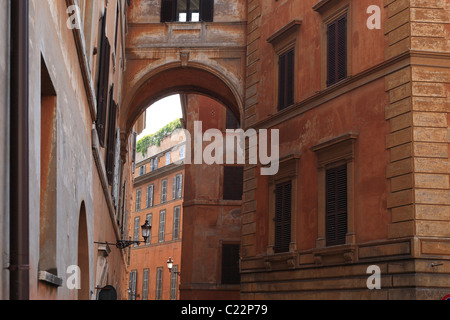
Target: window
[
  {"x": 164, "y": 191},
  {"x": 231, "y": 121},
  {"x": 283, "y": 207},
  {"x": 286, "y": 79},
  {"x": 111, "y": 137},
  {"x": 182, "y": 152},
  {"x": 187, "y": 10},
  {"x": 176, "y": 223},
  {"x": 153, "y": 164},
  {"x": 230, "y": 264},
  {"x": 162, "y": 225},
  {"x": 138, "y": 199},
  {"x": 149, "y": 219},
  {"x": 150, "y": 192},
  {"x": 141, "y": 170},
  {"x": 177, "y": 191},
  {"x": 337, "y": 50},
  {"x": 132, "y": 285},
  {"x": 167, "y": 158},
  {"x": 336, "y": 205},
  {"x": 136, "y": 231},
  {"x": 145, "y": 285},
  {"x": 159, "y": 278},
  {"x": 336, "y": 190},
  {"x": 174, "y": 283},
  {"x": 48, "y": 174},
  {"x": 233, "y": 177},
  {"x": 103, "y": 82}
]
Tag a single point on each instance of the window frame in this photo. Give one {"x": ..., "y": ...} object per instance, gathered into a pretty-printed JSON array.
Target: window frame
[
  {"x": 331, "y": 154},
  {"x": 329, "y": 15},
  {"x": 289, "y": 171},
  {"x": 138, "y": 199},
  {"x": 283, "y": 41},
  {"x": 163, "y": 191}
]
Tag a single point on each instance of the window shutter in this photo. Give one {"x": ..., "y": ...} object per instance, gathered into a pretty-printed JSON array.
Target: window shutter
[
  {"x": 103, "y": 81},
  {"x": 180, "y": 186},
  {"x": 337, "y": 50},
  {"x": 331, "y": 54},
  {"x": 283, "y": 217},
  {"x": 167, "y": 10},
  {"x": 111, "y": 143},
  {"x": 336, "y": 205},
  {"x": 206, "y": 10},
  {"x": 176, "y": 223},
  {"x": 290, "y": 78},
  {"x": 342, "y": 48},
  {"x": 174, "y": 190},
  {"x": 281, "y": 81},
  {"x": 233, "y": 183}
]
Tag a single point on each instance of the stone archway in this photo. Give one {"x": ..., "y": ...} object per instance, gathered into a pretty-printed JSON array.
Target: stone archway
[{"x": 175, "y": 78}]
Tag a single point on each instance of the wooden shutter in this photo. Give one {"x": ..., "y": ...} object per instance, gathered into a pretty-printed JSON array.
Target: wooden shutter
[
  {"x": 103, "y": 82},
  {"x": 233, "y": 182},
  {"x": 206, "y": 10},
  {"x": 176, "y": 223},
  {"x": 111, "y": 141},
  {"x": 162, "y": 225},
  {"x": 342, "y": 48},
  {"x": 281, "y": 81},
  {"x": 337, "y": 50},
  {"x": 283, "y": 204},
  {"x": 286, "y": 79},
  {"x": 230, "y": 264},
  {"x": 336, "y": 205},
  {"x": 168, "y": 10}
]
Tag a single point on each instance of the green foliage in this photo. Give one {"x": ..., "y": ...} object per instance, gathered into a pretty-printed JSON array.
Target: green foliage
[{"x": 156, "y": 138}]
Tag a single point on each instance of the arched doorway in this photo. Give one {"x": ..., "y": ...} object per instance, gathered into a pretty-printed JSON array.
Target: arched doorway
[{"x": 83, "y": 255}]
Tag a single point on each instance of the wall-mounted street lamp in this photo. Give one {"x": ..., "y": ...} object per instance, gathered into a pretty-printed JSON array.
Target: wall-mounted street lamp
[
  {"x": 122, "y": 244},
  {"x": 170, "y": 266}
]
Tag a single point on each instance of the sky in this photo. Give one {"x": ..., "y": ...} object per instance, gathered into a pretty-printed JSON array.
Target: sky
[{"x": 161, "y": 113}]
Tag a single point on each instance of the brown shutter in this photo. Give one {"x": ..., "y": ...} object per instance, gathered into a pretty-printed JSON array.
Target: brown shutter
[
  {"x": 233, "y": 182},
  {"x": 110, "y": 151},
  {"x": 103, "y": 82},
  {"x": 290, "y": 78},
  {"x": 331, "y": 55},
  {"x": 336, "y": 205},
  {"x": 286, "y": 79},
  {"x": 281, "y": 81},
  {"x": 168, "y": 10},
  {"x": 206, "y": 10},
  {"x": 342, "y": 48},
  {"x": 283, "y": 203},
  {"x": 337, "y": 50}
]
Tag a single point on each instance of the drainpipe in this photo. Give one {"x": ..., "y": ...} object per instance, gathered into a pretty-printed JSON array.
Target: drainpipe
[{"x": 19, "y": 157}]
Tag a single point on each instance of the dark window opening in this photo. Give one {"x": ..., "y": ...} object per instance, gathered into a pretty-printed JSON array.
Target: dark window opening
[
  {"x": 230, "y": 264},
  {"x": 187, "y": 10},
  {"x": 233, "y": 182},
  {"x": 337, "y": 50},
  {"x": 283, "y": 207},
  {"x": 286, "y": 79},
  {"x": 336, "y": 205}
]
